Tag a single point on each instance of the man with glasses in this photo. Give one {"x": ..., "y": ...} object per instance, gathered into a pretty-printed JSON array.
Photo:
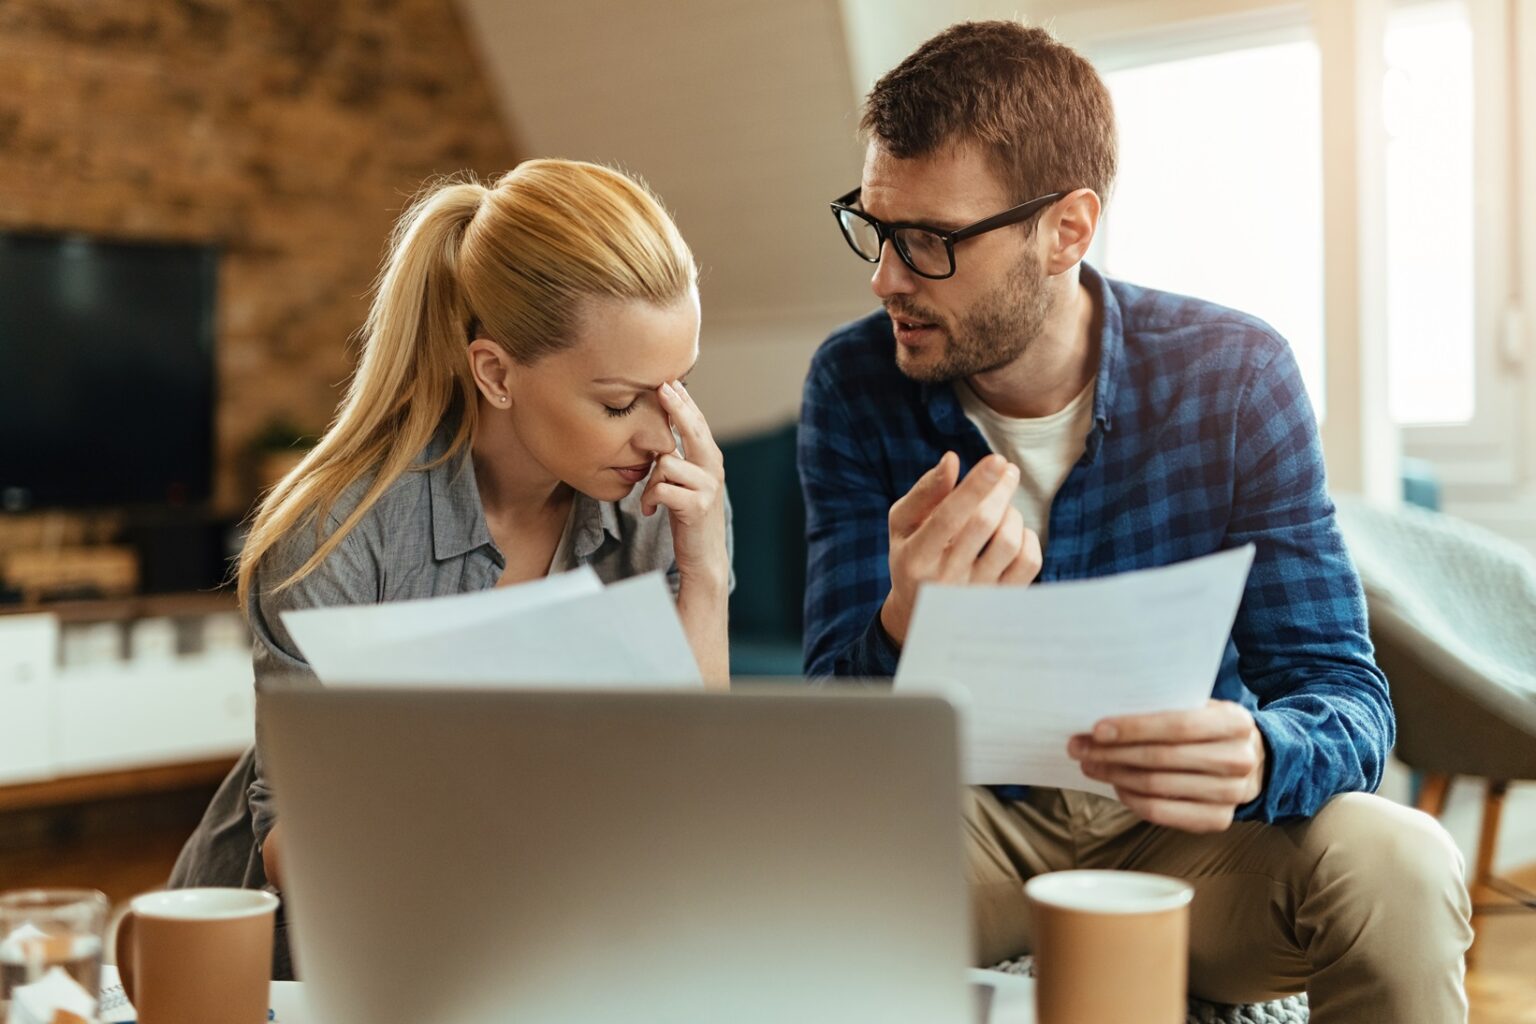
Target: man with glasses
[{"x": 1011, "y": 415}]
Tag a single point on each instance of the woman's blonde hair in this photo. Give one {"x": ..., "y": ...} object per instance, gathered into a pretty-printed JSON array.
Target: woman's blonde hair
[{"x": 511, "y": 262}]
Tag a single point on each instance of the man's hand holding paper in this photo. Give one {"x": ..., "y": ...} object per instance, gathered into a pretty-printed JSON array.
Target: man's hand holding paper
[
  {"x": 1189, "y": 770},
  {"x": 1046, "y": 667}
]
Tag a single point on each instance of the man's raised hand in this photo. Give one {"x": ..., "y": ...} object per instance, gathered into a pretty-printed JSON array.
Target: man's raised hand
[{"x": 947, "y": 532}]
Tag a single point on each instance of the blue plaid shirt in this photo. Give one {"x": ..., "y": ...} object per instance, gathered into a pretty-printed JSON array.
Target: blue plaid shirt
[{"x": 1203, "y": 439}]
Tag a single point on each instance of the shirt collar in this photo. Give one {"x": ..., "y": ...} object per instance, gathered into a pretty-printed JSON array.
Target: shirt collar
[
  {"x": 1111, "y": 346},
  {"x": 944, "y": 407},
  {"x": 592, "y": 521},
  {"x": 458, "y": 518},
  {"x": 458, "y": 521}
]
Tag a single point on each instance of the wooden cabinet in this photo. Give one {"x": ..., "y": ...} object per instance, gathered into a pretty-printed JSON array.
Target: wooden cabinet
[{"x": 110, "y": 698}]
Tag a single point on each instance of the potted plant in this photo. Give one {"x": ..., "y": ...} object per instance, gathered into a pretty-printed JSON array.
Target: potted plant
[{"x": 277, "y": 449}]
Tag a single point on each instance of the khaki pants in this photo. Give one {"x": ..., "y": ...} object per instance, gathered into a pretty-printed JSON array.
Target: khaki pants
[{"x": 1363, "y": 907}]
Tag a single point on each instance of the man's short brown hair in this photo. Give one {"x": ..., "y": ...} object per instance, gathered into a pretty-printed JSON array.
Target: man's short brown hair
[{"x": 1037, "y": 107}]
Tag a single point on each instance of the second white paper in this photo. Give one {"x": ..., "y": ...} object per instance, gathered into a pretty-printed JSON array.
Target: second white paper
[
  {"x": 1037, "y": 665},
  {"x": 334, "y": 638},
  {"x": 627, "y": 634}
]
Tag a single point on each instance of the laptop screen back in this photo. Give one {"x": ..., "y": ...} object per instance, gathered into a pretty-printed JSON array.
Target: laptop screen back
[{"x": 538, "y": 856}]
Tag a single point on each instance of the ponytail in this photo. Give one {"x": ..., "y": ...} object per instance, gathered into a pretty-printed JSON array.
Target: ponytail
[{"x": 411, "y": 377}]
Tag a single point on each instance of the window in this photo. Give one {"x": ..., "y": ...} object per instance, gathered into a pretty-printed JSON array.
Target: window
[
  {"x": 1429, "y": 191},
  {"x": 1219, "y": 192},
  {"x": 1219, "y": 196},
  {"x": 1227, "y": 150}
]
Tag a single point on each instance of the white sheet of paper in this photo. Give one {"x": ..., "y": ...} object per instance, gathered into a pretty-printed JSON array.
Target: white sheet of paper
[
  {"x": 1037, "y": 665},
  {"x": 1012, "y": 996},
  {"x": 327, "y": 636},
  {"x": 627, "y": 634}
]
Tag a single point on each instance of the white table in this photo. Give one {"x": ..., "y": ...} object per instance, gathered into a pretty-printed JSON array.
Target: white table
[{"x": 1013, "y": 1000}]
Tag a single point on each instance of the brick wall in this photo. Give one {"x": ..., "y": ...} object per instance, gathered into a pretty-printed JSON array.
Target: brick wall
[{"x": 288, "y": 132}]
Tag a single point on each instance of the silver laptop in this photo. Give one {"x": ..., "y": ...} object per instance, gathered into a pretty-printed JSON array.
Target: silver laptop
[{"x": 583, "y": 857}]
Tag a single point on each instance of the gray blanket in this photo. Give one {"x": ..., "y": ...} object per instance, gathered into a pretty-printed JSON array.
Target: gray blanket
[{"x": 1283, "y": 1011}]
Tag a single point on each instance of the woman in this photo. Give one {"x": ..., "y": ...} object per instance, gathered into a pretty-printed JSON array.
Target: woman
[{"x": 515, "y": 412}]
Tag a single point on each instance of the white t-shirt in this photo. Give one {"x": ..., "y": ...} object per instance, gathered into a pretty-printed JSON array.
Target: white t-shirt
[{"x": 1045, "y": 448}]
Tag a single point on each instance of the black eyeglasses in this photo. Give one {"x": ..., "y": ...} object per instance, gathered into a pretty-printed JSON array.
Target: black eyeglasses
[{"x": 927, "y": 251}]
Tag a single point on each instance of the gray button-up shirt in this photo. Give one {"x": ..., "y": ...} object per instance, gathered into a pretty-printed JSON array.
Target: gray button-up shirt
[{"x": 425, "y": 537}]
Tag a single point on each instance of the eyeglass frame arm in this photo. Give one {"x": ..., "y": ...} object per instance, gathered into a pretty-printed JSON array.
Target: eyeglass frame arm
[{"x": 887, "y": 230}]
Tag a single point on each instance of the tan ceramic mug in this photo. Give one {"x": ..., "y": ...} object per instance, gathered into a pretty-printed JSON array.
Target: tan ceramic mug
[
  {"x": 191, "y": 956},
  {"x": 1110, "y": 946}
]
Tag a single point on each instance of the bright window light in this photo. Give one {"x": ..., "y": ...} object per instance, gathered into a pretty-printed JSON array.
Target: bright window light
[
  {"x": 1428, "y": 110},
  {"x": 1219, "y": 192}
]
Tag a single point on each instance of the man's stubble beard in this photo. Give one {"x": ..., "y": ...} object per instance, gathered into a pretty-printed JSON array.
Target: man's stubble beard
[{"x": 994, "y": 333}]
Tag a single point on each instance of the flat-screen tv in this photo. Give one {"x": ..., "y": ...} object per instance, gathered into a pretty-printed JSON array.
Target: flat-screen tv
[{"x": 106, "y": 372}]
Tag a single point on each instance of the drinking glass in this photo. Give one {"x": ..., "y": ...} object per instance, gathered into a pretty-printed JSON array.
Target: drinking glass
[{"x": 50, "y": 954}]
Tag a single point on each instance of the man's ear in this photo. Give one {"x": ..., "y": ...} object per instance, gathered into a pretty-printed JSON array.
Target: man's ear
[
  {"x": 1069, "y": 227},
  {"x": 493, "y": 370}
]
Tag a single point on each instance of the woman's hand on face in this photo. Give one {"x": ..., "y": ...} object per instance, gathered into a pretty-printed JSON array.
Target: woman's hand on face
[{"x": 691, "y": 486}]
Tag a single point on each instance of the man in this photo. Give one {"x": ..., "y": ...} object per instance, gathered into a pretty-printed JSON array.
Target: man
[{"x": 1011, "y": 414}]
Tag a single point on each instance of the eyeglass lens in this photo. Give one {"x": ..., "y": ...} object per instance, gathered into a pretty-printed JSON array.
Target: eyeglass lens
[{"x": 925, "y": 250}]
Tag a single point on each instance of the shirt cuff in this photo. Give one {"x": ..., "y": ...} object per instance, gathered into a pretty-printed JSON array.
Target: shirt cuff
[
  {"x": 874, "y": 653},
  {"x": 1263, "y": 807}
]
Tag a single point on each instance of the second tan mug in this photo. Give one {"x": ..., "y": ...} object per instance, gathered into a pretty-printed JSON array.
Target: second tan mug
[
  {"x": 1110, "y": 946},
  {"x": 191, "y": 956}
]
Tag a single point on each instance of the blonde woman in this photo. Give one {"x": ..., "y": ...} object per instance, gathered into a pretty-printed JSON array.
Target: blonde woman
[{"x": 515, "y": 412}]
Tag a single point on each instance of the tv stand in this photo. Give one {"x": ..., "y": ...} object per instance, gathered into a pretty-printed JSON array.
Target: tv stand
[
  {"x": 123, "y": 696},
  {"x": 81, "y": 789}
]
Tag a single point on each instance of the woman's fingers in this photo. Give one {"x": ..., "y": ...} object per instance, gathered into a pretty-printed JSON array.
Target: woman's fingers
[
  {"x": 691, "y": 485},
  {"x": 686, "y": 505},
  {"x": 676, "y": 471},
  {"x": 699, "y": 471},
  {"x": 698, "y": 443}
]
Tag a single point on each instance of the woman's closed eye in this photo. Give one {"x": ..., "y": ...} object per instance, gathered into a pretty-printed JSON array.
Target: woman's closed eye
[{"x": 617, "y": 411}]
